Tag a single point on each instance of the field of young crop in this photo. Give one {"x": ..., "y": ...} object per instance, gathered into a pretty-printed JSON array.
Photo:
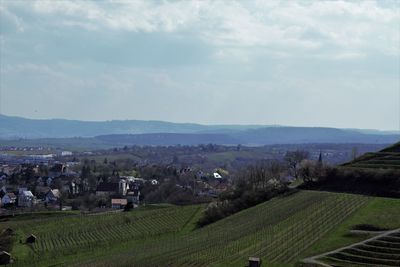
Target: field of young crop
[
  {"x": 388, "y": 158},
  {"x": 280, "y": 231},
  {"x": 61, "y": 237}
]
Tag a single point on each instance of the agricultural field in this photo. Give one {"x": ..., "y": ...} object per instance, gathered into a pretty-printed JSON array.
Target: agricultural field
[
  {"x": 278, "y": 231},
  {"x": 281, "y": 231},
  {"x": 60, "y": 238}
]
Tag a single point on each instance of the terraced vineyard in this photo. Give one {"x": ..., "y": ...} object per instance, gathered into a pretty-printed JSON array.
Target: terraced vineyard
[
  {"x": 279, "y": 231},
  {"x": 388, "y": 158},
  {"x": 383, "y": 250}
]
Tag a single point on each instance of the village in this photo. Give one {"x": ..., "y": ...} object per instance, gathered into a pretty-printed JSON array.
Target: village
[
  {"x": 37, "y": 185},
  {"x": 45, "y": 178}
]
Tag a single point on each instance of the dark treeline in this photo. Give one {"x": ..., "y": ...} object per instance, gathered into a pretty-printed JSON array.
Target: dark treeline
[{"x": 374, "y": 182}]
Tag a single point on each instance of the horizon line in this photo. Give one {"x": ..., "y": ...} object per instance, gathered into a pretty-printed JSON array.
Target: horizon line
[{"x": 203, "y": 124}]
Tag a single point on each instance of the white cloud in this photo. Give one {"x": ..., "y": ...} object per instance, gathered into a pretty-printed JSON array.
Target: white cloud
[
  {"x": 311, "y": 25},
  {"x": 236, "y": 61},
  {"x": 9, "y": 20},
  {"x": 143, "y": 16}
]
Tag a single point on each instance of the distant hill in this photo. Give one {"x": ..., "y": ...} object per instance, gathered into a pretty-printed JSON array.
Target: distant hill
[
  {"x": 261, "y": 136},
  {"x": 136, "y": 132},
  {"x": 168, "y": 139},
  {"x": 17, "y": 127},
  {"x": 301, "y": 135}
]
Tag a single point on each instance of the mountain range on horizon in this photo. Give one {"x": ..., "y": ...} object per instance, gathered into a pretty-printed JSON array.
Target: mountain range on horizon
[{"x": 140, "y": 132}]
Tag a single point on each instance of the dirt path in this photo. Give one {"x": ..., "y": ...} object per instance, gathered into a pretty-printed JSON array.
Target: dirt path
[{"x": 314, "y": 259}]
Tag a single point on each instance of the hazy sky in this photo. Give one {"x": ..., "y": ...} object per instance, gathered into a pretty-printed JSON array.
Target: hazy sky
[{"x": 309, "y": 63}]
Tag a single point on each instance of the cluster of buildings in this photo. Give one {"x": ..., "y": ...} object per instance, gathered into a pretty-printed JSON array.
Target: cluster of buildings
[
  {"x": 61, "y": 184},
  {"x": 24, "y": 198},
  {"x": 121, "y": 191},
  {"x": 28, "y": 185}
]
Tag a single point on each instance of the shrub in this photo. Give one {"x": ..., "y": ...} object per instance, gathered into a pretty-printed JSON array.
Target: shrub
[{"x": 377, "y": 182}]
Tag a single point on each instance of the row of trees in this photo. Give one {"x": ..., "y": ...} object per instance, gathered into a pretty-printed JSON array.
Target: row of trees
[{"x": 377, "y": 182}]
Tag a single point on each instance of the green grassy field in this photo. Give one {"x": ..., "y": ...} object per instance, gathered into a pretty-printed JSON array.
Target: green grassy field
[
  {"x": 380, "y": 212},
  {"x": 281, "y": 231}
]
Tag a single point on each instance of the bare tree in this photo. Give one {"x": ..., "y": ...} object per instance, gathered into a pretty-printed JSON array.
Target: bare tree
[
  {"x": 354, "y": 153},
  {"x": 294, "y": 158},
  {"x": 263, "y": 174}
]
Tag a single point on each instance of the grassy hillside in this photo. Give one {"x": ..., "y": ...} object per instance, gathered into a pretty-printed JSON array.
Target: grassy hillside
[
  {"x": 281, "y": 231},
  {"x": 376, "y": 174},
  {"x": 378, "y": 214},
  {"x": 388, "y": 158}
]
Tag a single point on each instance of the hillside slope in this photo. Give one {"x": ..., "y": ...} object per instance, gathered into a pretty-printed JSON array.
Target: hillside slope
[
  {"x": 388, "y": 158},
  {"x": 280, "y": 231},
  {"x": 369, "y": 238},
  {"x": 375, "y": 174}
]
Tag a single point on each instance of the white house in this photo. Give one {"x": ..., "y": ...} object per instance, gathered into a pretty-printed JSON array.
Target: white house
[
  {"x": 123, "y": 187},
  {"x": 74, "y": 188},
  {"x": 52, "y": 196},
  {"x": 9, "y": 199},
  {"x": 217, "y": 175},
  {"x": 26, "y": 198},
  {"x": 66, "y": 153},
  {"x": 118, "y": 203}
]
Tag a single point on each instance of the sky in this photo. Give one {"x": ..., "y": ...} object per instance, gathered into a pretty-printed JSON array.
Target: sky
[{"x": 298, "y": 63}]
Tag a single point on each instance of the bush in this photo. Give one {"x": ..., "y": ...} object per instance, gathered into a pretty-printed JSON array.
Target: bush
[
  {"x": 76, "y": 204},
  {"x": 128, "y": 207}
]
